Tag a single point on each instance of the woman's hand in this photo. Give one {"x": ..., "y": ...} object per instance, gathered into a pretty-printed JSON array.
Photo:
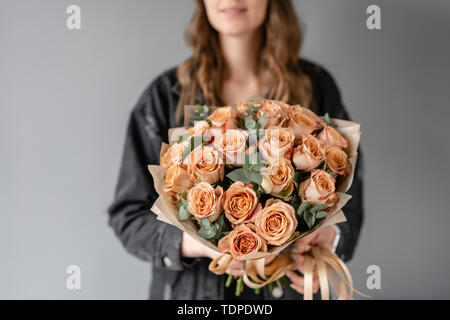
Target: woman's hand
[
  {"x": 323, "y": 237},
  {"x": 190, "y": 248}
]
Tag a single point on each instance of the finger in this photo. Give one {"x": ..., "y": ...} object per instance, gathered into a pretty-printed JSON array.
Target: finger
[
  {"x": 269, "y": 259},
  {"x": 299, "y": 259},
  {"x": 316, "y": 285},
  {"x": 296, "y": 288},
  {"x": 302, "y": 245},
  {"x": 296, "y": 279}
]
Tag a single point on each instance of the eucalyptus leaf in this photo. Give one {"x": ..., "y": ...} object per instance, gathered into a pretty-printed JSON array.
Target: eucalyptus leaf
[
  {"x": 206, "y": 223},
  {"x": 321, "y": 214},
  {"x": 183, "y": 213},
  {"x": 207, "y": 233},
  {"x": 319, "y": 207},
  {"x": 249, "y": 123},
  {"x": 303, "y": 207},
  {"x": 255, "y": 177},
  {"x": 239, "y": 175},
  {"x": 262, "y": 121},
  {"x": 309, "y": 218}
]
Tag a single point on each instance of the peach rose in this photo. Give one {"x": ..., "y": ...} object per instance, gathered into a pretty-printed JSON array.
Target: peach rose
[
  {"x": 231, "y": 145},
  {"x": 177, "y": 179},
  {"x": 241, "y": 109},
  {"x": 221, "y": 119},
  {"x": 242, "y": 241},
  {"x": 309, "y": 154},
  {"x": 330, "y": 137},
  {"x": 277, "y": 142},
  {"x": 204, "y": 201},
  {"x": 303, "y": 121},
  {"x": 205, "y": 163},
  {"x": 173, "y": 154},
  {"x": 318, "y": 189},
  {"x": 276, "y": 222},
  {"x": 199, "y": 129},
  {"x": 278, "y": 178},
  {"x": 240, "y": 203},
  {"x": 337, "y": 161},
  {"x": 273, "y": 113}
]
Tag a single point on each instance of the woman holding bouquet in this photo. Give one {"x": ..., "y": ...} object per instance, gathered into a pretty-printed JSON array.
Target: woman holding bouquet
[{"x": 241, "y": 48}]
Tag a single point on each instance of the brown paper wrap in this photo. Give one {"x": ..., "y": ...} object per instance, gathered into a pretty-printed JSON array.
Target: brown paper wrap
[{"x": 168, "y": 212}]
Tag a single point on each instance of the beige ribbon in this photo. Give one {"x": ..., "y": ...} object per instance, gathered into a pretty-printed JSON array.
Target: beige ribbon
[{"x": 331, "y": 271}]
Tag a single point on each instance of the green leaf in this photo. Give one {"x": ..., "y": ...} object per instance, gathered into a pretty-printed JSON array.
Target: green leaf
[
  {"x": 262, "y": 121},
  {"x": 239, "y": 175},
  {"x": 255, "y": 177},
  {"x": 295, "y": 203},
  {"x": 183, "y": 213},
  {"x": 321, "y": 214},
  {"x": 319, "y": 207},
  {"x": 194, "y": 143},
  {"x": 207, "y": 233},
  {"x": 202, "y": 110},
  {"x": 303, "y": 207},
  {"x": 205, "y": 223},
  {"x": 309, "y": 218},
  {"x": 249, "y": 123},
  {"x": 183, "y": 137}
]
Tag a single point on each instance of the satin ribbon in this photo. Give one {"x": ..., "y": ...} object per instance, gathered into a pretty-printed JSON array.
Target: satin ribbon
[{"x": 331, "y": 271}]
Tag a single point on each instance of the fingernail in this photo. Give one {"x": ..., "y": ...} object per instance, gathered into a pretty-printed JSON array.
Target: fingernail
[
  {"x": 295, "y": 249},
  {"x": 294, "y": 256}
]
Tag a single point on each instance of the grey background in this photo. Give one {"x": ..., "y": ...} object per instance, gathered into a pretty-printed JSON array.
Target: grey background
[{"x": 65, "y": 99}]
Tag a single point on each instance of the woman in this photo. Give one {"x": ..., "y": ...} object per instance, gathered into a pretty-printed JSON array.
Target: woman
[{"x": 240, "y": 49}]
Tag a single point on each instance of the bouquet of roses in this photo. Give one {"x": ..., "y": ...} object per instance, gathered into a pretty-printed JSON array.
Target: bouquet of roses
[{"x": 248, "y": 180}]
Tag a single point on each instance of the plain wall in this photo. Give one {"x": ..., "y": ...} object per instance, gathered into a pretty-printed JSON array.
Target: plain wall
[{"x": 65, "y": 97}]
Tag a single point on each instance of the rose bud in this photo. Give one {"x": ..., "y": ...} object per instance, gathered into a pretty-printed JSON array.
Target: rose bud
[
  {"x": 231, "y": 145},
  {"x": 173, "y": 154},
  {"x": 277, "y": 142},
  {"x": 240, "y": 203},
  {"x": 177, "y": 179},
  {"x": 337, "y": 161},
  {"x": 242, "y": 241},
  {"x": 221, "y": 120},
  {"x": 204, "y": 201},
  {"x": 199, "y": 129},
  {"x": 303, "y": 121},
  {"x": 278, "y": 178},
  {"x": 273, "y": 112},
  {"x": 205, "y": 163},
  {"x": 276, "y": 222},
  {"x": 309, "y": 154},
  {"x": 330, "y": 137},
  {"x": 318, "y": 189},
  {"x": 241, "y": 109}
]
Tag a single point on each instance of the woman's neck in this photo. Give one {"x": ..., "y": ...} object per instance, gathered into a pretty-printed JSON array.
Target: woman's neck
[
  {"x": 240, "y": 54},
  {"x": 243, "y": 79}
]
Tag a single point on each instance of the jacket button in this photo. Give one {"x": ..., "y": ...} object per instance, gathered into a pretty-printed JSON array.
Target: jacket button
[
  {"x": 277, "y": 292},
  {"x": 167, "y": 261}
]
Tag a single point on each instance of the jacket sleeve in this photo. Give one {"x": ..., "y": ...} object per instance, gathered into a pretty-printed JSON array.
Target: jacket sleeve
[
  {"x": 330, "y": 102},
  {"x": 129, "y": 214}
]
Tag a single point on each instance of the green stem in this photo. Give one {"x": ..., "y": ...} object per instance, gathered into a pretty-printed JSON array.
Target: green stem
[
  {"x": 270, "y": 286},
  {"x": 229, "y": 281},
  {"x": 239, "y": 286},
  {"x": 257, "y": 290}
]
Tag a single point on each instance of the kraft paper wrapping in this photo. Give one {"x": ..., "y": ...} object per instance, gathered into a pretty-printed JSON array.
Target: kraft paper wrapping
[{"x": 168, "y": 212}]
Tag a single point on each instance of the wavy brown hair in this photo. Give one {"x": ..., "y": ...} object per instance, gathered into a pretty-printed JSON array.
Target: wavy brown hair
[{"x": 282, "y": 39}]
